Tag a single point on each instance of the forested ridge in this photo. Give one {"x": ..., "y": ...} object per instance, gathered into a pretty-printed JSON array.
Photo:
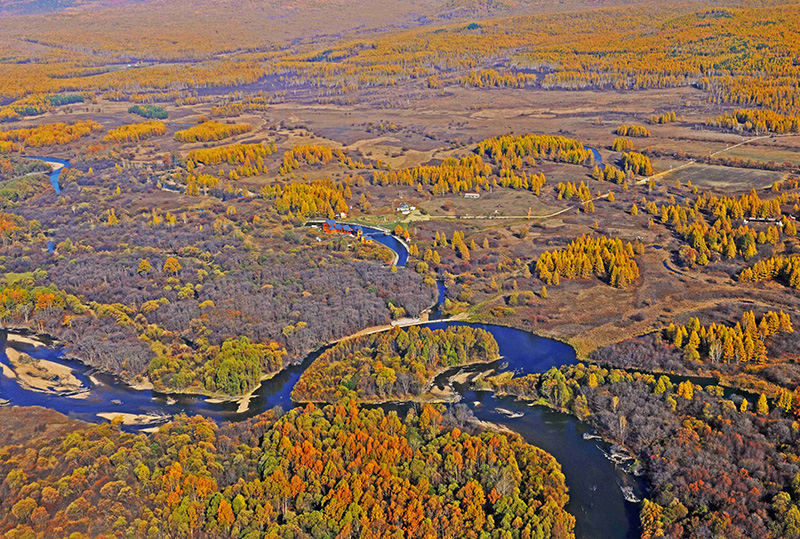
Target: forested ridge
[
  {"x": 394, "y": 364},
  {"x": 337, "y": 471}
]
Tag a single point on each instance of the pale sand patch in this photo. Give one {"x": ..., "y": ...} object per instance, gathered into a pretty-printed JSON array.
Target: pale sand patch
[
  {"x": 244, "y": 403},
  {"x": 143, "y": 385},
  {"x": 7, "y": 371},
  {"x": 42, "y": 375},
  {"x": 22, "y": 339},
  {"x": 462, "y": 378},
  {"x": 94, "y": 380},
  {"x": 488, "y": 425},
  {"x": 130, "y": 419},
  {"x": 443, "y": 395}
]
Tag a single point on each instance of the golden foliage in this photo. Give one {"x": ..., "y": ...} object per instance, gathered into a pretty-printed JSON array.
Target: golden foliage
[
  {"x": 211, "y": 131},
  {"x": 136, "y": 132}
]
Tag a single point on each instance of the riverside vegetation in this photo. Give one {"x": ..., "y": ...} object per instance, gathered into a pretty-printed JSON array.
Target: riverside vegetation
[{"x": 635, "y": 196}]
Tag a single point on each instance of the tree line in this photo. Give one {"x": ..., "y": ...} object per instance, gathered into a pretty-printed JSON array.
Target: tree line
[
  {"x": 782, "y": 268},
  {"x": 52, "y": 134},
  {"x": 742, "y": 343},
  {"x": 211, "y": 131},
  {"x": 136, "y": 132},
  {"x": 632, "y": 131},
  {"x": 337, "y": 471},
  {"x": 756, "y": 120},
  {"x": 151, "y": 112}
]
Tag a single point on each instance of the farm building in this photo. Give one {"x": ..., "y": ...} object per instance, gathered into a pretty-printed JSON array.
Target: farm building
[{"x": 332, "y": 227}]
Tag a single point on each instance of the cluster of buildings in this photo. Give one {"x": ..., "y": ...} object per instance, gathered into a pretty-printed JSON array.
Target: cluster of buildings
[
  {"x": 405, "y": 209},
  {"x": 332, "y": 227}
]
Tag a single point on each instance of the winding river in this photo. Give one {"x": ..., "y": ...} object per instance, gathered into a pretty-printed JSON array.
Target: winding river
[
  {"x": 384, "y": 238},
  {"x": 378, "y": 235},
  {"x": 58, "y": 165},
  {"x": 594, "y": 481}
]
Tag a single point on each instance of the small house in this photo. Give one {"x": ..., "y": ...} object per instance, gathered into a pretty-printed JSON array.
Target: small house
[{"x": 472, "y": 194}]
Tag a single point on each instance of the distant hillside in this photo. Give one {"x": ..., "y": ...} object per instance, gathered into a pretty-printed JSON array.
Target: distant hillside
[
  {"x": 435, "y": 10},
  {"x": 36, "y": 7}
]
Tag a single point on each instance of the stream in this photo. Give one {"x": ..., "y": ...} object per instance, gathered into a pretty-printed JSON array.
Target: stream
[
  {"x": 56, "y": 172},
  {"x": 598, "y": 159},
  {"x": 594, "y": 481}
]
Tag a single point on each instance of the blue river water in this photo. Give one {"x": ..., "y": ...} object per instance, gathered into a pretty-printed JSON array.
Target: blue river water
[
  {"x": 598, "y": 159},
  {"x": 593, "y": 480},
  {"x": 389, "y": 241},
  {"x": 382, "y": 237},
  {"x": 55, "y": 174}
]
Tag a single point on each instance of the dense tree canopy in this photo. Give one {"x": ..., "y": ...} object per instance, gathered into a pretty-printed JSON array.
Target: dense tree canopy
[
  {"x": 397, "y": 363},
  {"x": 333, "y": 471}
]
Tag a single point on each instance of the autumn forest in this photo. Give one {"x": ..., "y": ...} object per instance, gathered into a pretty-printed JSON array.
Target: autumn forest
[{"x": 424, "y": 269}]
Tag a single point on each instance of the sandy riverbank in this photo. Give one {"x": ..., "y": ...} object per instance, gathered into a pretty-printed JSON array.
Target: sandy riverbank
[
  {"x": 488, "y": 425},
  {"x": 131, "y": 419},
  {"x": 14, "y": 338},
  {"x": 8, "y": 372},
  {"x": 143, "y": 385},
  {"x": 44, "y": 376}
]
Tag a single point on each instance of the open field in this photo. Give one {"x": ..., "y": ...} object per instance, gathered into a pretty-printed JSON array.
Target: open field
[
  {"x": 186, "y": 269},
  {"x": 726, "y": 178}
]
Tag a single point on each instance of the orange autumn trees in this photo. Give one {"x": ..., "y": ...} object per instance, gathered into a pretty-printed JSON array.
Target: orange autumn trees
[
  {"x": 10, "y": 225},
  {"x": 234, "y": 154},
  {"x": 782, "y": 268},
  {"x": 510, "y": 151},
  {"x": 754, "y": 120},
  {"x": 314, "y": 154},
  {"x": 451, "y": 176},
  {"x": 632, "y": 131},
  {"x": 720, "y": 343},
  {"x": 321, "y": 198},
  {"x": 248, "y": 159},
  {"x": 637, "y": 163},
  {"x": 392, "y": 364},
  {"x": 607, "y": 259},
  {"x": 136, "y": 132},
  {"x": 490, "y": 78},
  {"x": 54, "y": 134},
  {"x": 708, "y": 242},
  {"x": 336, "y": 471},
  {"x": 211, "y": 131}
]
